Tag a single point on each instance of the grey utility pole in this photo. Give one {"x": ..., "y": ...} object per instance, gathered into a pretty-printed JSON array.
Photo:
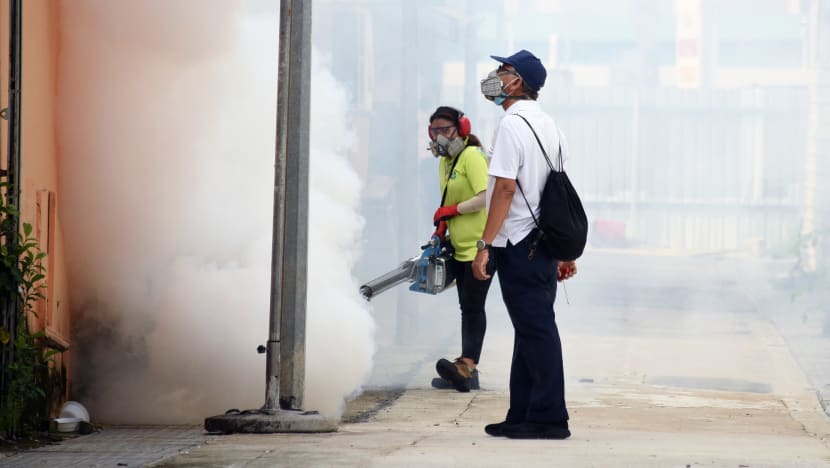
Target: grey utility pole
[
  {"x": 285, "y": 378},
  {"x": 407, "y": 227},
  {"x": 823, "y": 138},
  {"x": 813, "y": 192},
  {"x": 285, "y": 350}
]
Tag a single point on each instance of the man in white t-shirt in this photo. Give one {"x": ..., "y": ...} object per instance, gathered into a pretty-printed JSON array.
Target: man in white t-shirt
[{"x": 527, "y": 274}]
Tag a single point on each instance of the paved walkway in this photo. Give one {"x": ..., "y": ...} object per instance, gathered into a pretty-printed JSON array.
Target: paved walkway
[
  {"x": 613, "y": 424},
  {"x": 638, "y": 425},
  {"x": 113, "y": 447},
  {"x": 659, "y": 373}
]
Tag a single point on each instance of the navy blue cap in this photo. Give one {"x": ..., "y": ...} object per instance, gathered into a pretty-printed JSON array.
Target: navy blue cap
[{"x": 528, "y": 66}]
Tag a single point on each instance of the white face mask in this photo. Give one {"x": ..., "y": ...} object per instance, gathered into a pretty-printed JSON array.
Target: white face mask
[
  {"x": 443, "y": 146},
  {"x": 493, "y": 90},
  {"x": 491, "y": 86}
]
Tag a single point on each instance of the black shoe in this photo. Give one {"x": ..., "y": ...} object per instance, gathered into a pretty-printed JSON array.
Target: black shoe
[
  {"x": 529, "y": 430},
  {"x": 444, "y": 384},
  {"x": 458, "y": 373},
  {"x": 497, "y": 429}
]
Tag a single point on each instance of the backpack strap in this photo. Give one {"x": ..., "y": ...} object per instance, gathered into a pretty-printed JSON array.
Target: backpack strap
[
  {"x": 449, "y": 176},
  {"x": 561, "y": 166},
  {"x": 559, "y": 151}
]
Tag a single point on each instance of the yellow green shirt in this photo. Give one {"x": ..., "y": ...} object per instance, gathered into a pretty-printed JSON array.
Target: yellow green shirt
[{"x": 468, "y": 178}]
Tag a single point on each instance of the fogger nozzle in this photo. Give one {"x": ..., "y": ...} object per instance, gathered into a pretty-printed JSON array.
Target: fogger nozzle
[{"x": 388, "y": 280}]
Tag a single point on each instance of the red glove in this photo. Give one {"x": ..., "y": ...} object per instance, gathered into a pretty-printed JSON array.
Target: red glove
[
  {"x": 441, "y": 232},
  {"x": 444, "y": 213},
  {"x": 565, "y": 270}
]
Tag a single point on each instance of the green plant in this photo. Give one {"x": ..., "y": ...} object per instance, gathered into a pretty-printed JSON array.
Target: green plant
[{"x": 24, "y": 404}]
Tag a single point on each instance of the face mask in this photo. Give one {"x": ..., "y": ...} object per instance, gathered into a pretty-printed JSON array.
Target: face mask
[
  {"x": 443, "y": 146},
  {"x": 492, "y": 88}
]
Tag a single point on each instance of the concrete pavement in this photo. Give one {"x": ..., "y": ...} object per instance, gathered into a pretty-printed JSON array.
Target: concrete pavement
[
  {"x": 636, "y": 425},
  {"x": 660, "y": 372},
  {"x": 112, "y": 447},
  {"x": 613, "y": 424},
  {"x": 671, "y": 394}
]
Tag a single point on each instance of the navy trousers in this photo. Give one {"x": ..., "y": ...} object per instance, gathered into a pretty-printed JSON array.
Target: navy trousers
[{"x": 528, "y": 287}]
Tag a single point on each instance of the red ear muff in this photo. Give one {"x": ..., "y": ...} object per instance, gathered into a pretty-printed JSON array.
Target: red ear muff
[{"x": 464, "y": 125}]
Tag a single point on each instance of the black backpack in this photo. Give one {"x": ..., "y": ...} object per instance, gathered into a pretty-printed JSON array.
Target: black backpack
[{"x": 562, "y": 223}]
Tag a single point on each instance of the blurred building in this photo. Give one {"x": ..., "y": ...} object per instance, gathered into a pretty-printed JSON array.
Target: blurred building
[
  {"x": 688, "y": 120},
  {"x": 694, "y": 126}
]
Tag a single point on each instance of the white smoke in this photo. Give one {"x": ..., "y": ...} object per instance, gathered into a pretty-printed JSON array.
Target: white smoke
[
  {"x": 167, "y": 149},
  {"x": 340, "y": 329}
]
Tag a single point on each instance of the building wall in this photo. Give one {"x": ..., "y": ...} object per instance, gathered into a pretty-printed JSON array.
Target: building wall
[{"x": 40, "y": 195}]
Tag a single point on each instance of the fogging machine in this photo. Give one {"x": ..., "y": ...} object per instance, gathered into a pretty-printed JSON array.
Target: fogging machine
[{"x": 427, "y": 272}]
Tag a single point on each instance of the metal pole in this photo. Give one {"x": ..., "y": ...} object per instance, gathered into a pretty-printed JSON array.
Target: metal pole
[
  {"x": 13, "y": 113},
  {"x": 822, "y": 51},
  {"x": 406, "y": 326},
  {"x": 808, "y": 224},
  {"x": 285, "y": 351},
  {"x": 471, "y": 95},
  {"x": 11, "y": 307},
  {"x": 285, "y": 369}
]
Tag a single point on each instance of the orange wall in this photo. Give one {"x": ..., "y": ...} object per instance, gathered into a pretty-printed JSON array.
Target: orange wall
[{"x": 40, "y": 195}]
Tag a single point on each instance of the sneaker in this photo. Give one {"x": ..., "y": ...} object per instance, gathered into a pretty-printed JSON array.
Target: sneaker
[
  {"x": 497, "y": 429},
  {"x": 529, "y": 430},
  {"x": 443, "y": 384},
  {"x": 458, "y": 373}
]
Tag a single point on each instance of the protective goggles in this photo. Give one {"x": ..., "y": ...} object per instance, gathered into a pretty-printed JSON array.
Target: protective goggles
[{"x": 447, "y": 131}]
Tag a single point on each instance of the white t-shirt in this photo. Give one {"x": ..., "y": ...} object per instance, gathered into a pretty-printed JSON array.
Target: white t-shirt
[{"x": 515, "y": 154}]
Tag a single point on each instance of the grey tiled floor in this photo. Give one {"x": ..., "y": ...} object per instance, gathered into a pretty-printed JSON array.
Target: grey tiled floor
[{"x": 118, "y": 446}]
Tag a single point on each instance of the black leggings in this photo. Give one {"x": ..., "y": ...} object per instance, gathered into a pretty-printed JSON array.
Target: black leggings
[{"x": 472, "y": 294}]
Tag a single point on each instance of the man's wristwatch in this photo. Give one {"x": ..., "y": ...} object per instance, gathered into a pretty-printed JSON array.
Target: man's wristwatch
[{"x": 481, "y": 245}]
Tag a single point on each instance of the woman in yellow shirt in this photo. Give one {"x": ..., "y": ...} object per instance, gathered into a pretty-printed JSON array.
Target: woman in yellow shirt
[{"x": 462, "y": 172}]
